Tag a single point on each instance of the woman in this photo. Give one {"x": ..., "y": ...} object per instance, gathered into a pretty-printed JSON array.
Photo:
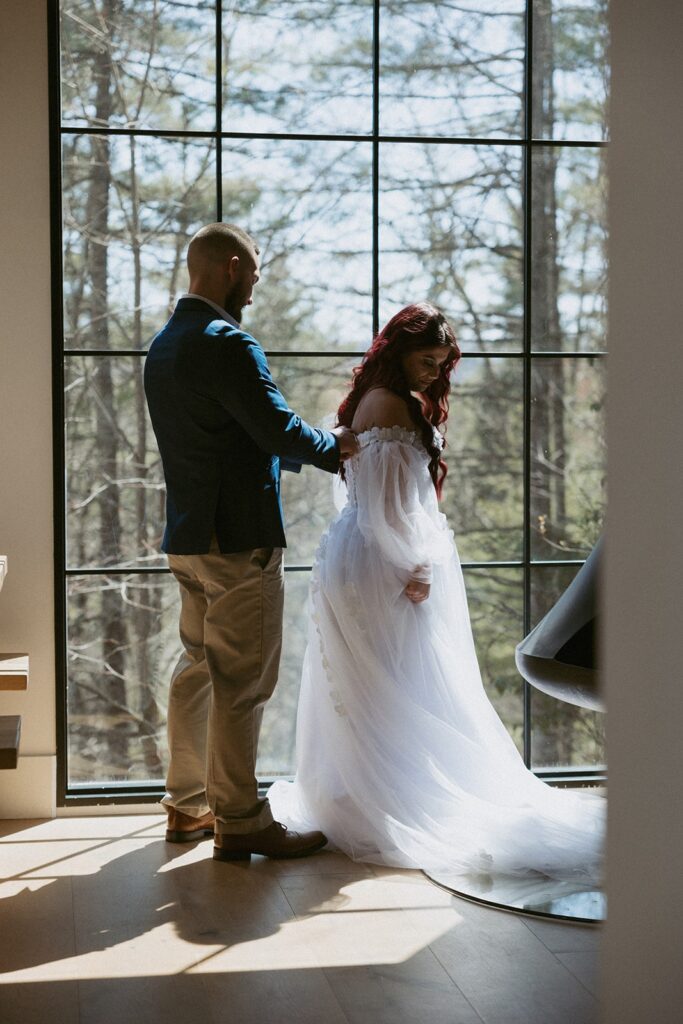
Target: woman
[{"x": 401, "y": 759}]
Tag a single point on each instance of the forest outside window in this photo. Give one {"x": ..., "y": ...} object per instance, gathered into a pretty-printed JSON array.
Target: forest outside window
[{"x": 380, "y": 153}]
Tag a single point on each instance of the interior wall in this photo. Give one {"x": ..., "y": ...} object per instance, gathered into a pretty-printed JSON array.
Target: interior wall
[
  {"x": 26, "y": 600},
  {"x": 642, "y": 975}
]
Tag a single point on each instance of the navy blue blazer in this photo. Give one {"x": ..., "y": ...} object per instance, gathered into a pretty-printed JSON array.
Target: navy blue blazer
[{"x": 221, "y": 425}]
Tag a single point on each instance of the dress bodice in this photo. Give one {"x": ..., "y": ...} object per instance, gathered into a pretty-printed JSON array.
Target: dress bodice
[{"x": 380, "y": 435}]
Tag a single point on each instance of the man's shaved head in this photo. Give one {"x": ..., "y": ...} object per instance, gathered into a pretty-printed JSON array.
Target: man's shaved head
[
  {"x": 224, "y": 266},
  {"x": 215, "y": 243}
]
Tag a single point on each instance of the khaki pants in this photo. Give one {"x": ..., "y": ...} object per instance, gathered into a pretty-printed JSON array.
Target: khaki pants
[{"x": 231, "y": 630}]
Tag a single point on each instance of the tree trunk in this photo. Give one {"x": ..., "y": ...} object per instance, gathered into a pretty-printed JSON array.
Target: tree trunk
[
  {"x": 145, "y": 621},
  {"x": 548, "y": 453},
  {"x": 114, "y": 640}
]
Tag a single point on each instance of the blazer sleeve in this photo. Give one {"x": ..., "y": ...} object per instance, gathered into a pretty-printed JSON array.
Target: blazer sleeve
[{"x": 245, "y": 387}]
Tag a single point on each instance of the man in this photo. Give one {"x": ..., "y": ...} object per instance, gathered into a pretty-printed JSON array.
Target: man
[{"x": 221, "y": 425}]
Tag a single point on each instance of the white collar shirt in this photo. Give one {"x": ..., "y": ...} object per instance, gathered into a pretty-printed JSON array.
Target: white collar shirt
[{"x": 223, "y": 313}]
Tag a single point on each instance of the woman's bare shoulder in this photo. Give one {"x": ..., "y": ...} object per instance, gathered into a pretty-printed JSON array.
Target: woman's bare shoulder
[{"x": 381, "y": 407}]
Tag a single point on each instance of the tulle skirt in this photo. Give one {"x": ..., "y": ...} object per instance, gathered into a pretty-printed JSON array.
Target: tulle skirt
[{"x": 401, "y": 758}]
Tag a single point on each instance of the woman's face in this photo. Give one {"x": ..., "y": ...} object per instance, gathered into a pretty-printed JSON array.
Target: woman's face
[{"x": 423, "y": 365}]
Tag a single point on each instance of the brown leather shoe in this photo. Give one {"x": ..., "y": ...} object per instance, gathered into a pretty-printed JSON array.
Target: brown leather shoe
[
  {"x": 274, "y": 841},
  {"x": 182, "y": 828}
]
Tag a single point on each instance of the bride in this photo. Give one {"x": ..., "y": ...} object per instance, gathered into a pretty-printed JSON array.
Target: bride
[{"x": 401, "y": 758}]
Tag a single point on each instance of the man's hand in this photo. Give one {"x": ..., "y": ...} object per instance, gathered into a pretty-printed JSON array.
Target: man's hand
[
  {"x": 348, "y": 442},
  {"x": 416, "y": 591}
]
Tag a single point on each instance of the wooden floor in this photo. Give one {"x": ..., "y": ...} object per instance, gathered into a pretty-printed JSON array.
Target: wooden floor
[{"x": 103, "y": 921}]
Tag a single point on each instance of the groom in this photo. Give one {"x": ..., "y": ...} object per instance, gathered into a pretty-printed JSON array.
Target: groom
[{"x": 223, "y": 430}]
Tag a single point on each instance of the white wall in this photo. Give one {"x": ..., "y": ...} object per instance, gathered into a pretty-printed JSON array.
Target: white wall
[
  {"x": 26, "y": 601},
  {"x": 643, "y": 957}
]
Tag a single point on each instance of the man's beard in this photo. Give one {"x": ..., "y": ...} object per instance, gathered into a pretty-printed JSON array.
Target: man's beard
[{"x": 233, "y": 303}]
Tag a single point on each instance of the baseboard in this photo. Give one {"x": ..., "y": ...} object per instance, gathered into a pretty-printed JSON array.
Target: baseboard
[
  {"x": 100, "y": 810},
  {"x": 29, "y": 790}
]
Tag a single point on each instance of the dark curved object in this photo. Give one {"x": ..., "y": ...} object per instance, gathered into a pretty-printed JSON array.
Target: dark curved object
[
  {"x": 536, "y": 896},
  {"x": 559, "y": 655}
]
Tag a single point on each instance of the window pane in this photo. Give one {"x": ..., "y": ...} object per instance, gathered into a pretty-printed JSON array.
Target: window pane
[
  {"x": 569, "y": 249},
  {"x": 496, "y": 602},
  {"x": 449, "y": 70},
  {"x": 277, "y": 745},
  {"x": 570, "y": 69},
  {"x": 122, "y": 646},
  {"x": 309, "y": 207},
  {"x": 130, "y": 208},
  {"x": 313, "y": 387},
  {"x": 115, "y": 506},
  {"x": 138, "y": 63},
  {"x": 298, "y": 66},
  {"x": 483, "y": 493},
  {"x": 562, "y": 734},
  {"x": 567, "y": 456},
  {"x": 451, "y": 231}
]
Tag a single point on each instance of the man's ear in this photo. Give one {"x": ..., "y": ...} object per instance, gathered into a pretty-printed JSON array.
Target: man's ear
[{"x": 233, "y": 267}]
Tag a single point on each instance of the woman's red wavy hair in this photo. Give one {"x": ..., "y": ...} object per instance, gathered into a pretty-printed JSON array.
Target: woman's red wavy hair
[{"x": 417, "y": 326}]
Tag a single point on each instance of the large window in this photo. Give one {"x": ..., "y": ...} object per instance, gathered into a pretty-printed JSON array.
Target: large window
[{"x": 380, "y": 153}]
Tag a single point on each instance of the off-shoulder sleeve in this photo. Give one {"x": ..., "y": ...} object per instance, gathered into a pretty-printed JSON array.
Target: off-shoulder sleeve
[{"x": 390, "y": 513}]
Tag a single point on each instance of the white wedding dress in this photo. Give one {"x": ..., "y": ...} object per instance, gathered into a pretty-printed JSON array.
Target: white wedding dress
[{"x": 401, "y": 758}]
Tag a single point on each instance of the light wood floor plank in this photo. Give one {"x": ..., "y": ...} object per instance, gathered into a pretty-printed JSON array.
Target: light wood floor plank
[
  {"x": 419, "y": 989},
  {"x": 507, "y": 974},
  {"x": 273, "y": 997},
  {"x": 158, "y": 1000},
  {"x": 37, "y": 924},
  {"x": 584, "y": 966},
  {"x": 40, "y": 1003},
  {"x": 110, "y": 923},
  {"x": 565, "y": 938},
  {"x": 386, "y": 973}
]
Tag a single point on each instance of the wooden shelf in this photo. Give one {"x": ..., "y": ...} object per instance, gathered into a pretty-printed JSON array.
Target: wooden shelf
[
  {"x": 10, "y": 733},
  {"x": 13, "y": 671}
]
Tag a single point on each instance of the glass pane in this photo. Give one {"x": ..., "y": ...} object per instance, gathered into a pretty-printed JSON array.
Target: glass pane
[
  {"x": 130, "y": 207},
  {"x": 452, "y": 70},
  {"x": 122, "y": 646},
  {"x": 277, "y": 745},
  {"x": 548, "y": 584},
  {"x": 569, "y": 249},
  {"x": 496, "y": 606},
  {"x": 451, "y": 231},
  {"x": 570, "y": 69},
  {"x": 138, "y": 63},
  {"x": 568, "y": 460},
  {"x": 561, "y": 734},
  {"x": 115, "y": 506},
  {"x": 313, "y": 387},
  {"x": 298, "y": 66},
  {"x": 483, "y": 493},
  {"x": 309, "y": 208}
]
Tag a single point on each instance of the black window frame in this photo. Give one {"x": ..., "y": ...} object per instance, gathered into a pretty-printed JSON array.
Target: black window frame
[{"x": 122, "y": 793}]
